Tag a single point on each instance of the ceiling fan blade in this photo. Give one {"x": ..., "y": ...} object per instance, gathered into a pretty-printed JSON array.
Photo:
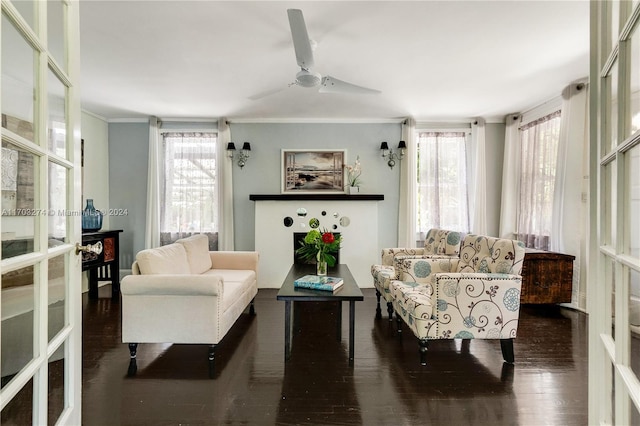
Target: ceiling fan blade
[
  {"x": 301, "y": 43},
  {"x": 333, "y": 85},
  {"x": 266, "y": 93}
]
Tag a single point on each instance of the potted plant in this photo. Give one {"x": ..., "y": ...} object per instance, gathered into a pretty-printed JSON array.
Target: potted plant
[{"x": 353, "y": 176}]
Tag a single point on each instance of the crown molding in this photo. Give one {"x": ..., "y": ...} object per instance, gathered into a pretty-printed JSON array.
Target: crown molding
[
  {"x": 94, "y": 115},
  {"x": 128, "y": 120},
  {"x": 315, "y": 120}
]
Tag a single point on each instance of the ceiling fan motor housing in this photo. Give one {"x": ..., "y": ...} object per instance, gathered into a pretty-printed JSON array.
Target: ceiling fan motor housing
[{"x": 306, "y": 78}]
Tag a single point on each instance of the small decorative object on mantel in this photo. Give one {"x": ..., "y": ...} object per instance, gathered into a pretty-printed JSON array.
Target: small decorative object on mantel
[
  {"x": 353, "y": 176},
  {"x": 91, "y": 217},
  {"x": 320, "y": 246}
]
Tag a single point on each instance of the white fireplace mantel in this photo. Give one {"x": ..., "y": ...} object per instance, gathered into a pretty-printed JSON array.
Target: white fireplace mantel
[{"x": 274, "y": 240}]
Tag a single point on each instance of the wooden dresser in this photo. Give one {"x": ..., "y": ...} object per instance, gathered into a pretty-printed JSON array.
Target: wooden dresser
[{"x": 546, "y": 277}]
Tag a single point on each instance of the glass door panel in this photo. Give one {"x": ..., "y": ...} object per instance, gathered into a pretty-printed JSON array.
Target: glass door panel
[
  {"x": 609, "y": 203},
  {"x": 611, "y": 82},
  {"x": 18, "y": 82},
  {"x": 19, "y": 411},
  {"x": 632, "y": 186},
  {"x": 614, "y": 22},
  {"x": 57, "y": 295},
  {"x": 57, "y": 212},
  {"x": 634, "y": 319},
  {"x": 56, "y": 125},
  {"x": 56, "y": 389},
  {"x": 610, "y": 295},
  {"x": 27, "y": 9},
  {"x": 55, "y": 32},
  {"x": 634, "y": 53},
  {"x": 19, "y": 210},
  {"x": 16, "y": 328}
]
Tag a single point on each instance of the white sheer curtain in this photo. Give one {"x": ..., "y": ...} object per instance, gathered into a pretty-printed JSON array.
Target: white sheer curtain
[
  {"x": 407, "y": 202},
  {"x": 189, "y": 194},
  {"x": 152, "y": 230},
  {"x": 442, "y": 181},
  {"x": 568, "y": 225},
  {"x": 539, "y": 153},
  {"x": 510, "y": 178},
  {"x": 225, "y": 188},
  {"x": 479, "y": 211}
]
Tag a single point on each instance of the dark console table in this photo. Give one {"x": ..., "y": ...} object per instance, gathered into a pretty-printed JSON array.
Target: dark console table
[{"x": 103, "y": 266}]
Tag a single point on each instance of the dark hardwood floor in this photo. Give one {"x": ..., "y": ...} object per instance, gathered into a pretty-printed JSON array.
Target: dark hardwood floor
[{"x": 463, "y": 383}]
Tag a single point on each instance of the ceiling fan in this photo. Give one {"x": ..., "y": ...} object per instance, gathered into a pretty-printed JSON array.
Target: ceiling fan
[{"x": 307, "y": 77}]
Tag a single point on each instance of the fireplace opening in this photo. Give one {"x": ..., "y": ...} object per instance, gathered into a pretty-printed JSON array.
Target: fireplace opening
[{"x": 298, "y": 237}]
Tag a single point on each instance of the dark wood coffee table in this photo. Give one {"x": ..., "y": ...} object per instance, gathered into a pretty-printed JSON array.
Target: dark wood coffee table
[{"x": 350, "y": 292}]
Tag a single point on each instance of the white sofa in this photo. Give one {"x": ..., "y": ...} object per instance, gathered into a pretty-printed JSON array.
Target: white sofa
[{"x": 183, "y": 293}]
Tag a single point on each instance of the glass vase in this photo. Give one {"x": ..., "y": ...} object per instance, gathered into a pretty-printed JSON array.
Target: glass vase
[
  {"x": 91, "y": 217},
  {"x": 321, "y": 268}
]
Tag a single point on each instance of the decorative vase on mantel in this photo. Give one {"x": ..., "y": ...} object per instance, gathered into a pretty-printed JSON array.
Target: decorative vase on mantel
[
  {"x": 91, "y": 217},
  {"x": 354, "y": 189}
]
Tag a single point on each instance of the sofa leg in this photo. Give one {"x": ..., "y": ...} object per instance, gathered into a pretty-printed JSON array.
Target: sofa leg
[
  {"x": 464, "y": 346},
  {"x": 133, "y": 368},
  {"x": 252, "y": 308},
  {"x": 399, "y": 322},
  {"x": 133, "y": 349},
  {"x": 507, "y": 350},
  {"x": 212, "y": 361},
  {"x": 423, "y": 351},
  {"x": 390, "y": 310},
  {"x": 378, "y": 310}
]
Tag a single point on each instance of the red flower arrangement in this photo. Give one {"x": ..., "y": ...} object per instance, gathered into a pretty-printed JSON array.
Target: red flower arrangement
[{"x": 319, "y": 246}]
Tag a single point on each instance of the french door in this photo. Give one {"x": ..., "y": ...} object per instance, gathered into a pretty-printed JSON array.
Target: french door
[
  {"x": 40, "y": 301},
  {"x": 614, "y": 275}
]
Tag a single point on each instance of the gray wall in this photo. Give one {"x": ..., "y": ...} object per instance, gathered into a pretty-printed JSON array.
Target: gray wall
[
  {"x": 262, "y": 175},
  {"x": 128, "y": 156}
]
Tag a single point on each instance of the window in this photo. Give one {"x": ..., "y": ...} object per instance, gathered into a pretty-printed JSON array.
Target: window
[
  {"x": 539, "y": 153},
  {"x": 442, "y": 199},
  {"x": 189, "y": 189}
]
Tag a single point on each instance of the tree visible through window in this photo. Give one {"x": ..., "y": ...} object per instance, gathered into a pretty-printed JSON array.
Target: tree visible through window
[
  {"x": 189, "y": 189},
  {"x": 539, "y": 153},
  {"x": 442, "y": 200}
]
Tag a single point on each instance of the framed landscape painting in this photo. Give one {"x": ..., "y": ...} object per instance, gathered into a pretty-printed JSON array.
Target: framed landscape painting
[{"x": 313, "y": 170}]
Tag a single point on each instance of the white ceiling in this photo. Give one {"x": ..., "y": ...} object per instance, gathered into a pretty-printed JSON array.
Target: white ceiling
[{"x": 431, "y": 60}]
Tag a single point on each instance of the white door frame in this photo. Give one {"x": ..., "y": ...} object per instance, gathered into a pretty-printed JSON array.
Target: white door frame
[
  {"x": 62, "y": 66},
  {"x": 614, "y": 389}
]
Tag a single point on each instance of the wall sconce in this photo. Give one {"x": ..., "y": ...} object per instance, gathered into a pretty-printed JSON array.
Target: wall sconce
[
  {"x": 391, "y": 156},
  {"x": 243, "y": 155}
]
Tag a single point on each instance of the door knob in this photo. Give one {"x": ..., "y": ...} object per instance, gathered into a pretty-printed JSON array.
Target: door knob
[{"x": 89, "y": 248}]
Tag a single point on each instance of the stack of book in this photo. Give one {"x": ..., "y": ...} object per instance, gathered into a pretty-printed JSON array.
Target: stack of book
[{"x": 316, "y": 282}]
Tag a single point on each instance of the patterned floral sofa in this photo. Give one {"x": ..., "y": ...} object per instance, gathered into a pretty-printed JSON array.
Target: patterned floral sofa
[
  {"x": 438, "y": 243},
  {"x": 475, "y": 296}
]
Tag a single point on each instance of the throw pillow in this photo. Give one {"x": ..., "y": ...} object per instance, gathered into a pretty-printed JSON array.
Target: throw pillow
[
  {"x": 170, "y": 259},
  {"x": 197, "y": 248}
]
